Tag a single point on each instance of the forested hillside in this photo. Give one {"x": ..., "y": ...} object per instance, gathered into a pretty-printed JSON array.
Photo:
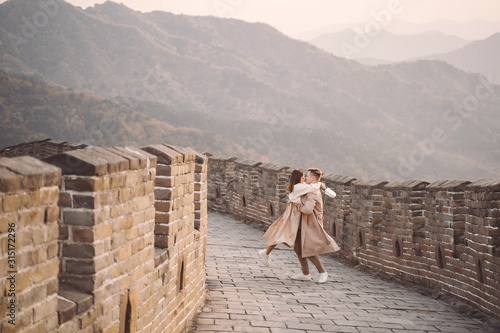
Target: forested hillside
[
  {"x": 272, "y": 97},
  {"x": 31, "y": 110}
]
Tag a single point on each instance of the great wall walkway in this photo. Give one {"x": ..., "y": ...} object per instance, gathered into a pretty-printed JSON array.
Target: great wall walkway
[{"x": 244, "y": 296}]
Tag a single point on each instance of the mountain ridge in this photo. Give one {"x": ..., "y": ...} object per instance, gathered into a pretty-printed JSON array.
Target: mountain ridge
[
  {"x": 479, "y": 57},
  {"x": 471, "y": 30},
  {"x": 386, "y": 45},
  {"x": 249, "y": 73}
]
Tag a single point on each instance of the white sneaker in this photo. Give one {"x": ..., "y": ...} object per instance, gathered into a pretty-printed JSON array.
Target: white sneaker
[
  {"x": 301, "y": 277},
  {"x": 323, "y": 277},
  {"x": 266, "y": 259}
]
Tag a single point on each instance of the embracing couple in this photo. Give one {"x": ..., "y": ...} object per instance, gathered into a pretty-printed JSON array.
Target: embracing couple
[{"x": 301, "y": 225}]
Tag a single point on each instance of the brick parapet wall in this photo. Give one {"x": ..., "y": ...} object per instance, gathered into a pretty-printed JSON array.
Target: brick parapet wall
[
  {"x": 480, "y": 249},
  {"x": 28, "y": 236},
  {"x": 221, "y": 173},
  {"x": 180, "y": 238},
  {"x": 101, "y": 270},
  {"x": 445, "y": 234},
  {"x": 40, "y": 149},
  {"x": 337, "y": 210}
]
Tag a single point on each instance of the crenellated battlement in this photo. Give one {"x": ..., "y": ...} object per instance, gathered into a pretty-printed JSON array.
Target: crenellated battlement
[
  {"x": 444, "y": 234},
  {"x": 103, "y": 239},
  {"x": 114, "y": 239}
]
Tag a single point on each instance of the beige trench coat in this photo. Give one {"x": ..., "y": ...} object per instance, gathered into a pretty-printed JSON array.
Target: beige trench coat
[
  {"x": 284, "y": 229},
  {"x": 314, "y": 238}
]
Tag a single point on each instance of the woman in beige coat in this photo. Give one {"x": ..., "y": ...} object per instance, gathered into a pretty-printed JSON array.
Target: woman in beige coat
[{"x": 284, "y": 229}]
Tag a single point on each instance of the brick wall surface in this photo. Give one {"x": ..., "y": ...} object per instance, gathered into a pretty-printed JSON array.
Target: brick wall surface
[
  {"x": 180, "y": 234},
  {"x": 445, "y": 234},
  {"x": 29, "y": 191},
  {"x": 108, "y": 239}
]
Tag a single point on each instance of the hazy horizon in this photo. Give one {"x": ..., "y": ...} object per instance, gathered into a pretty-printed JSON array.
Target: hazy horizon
[{"x": 298, "y": 17}]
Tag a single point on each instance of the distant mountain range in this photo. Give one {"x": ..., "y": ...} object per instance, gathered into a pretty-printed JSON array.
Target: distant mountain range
[
  {"x": 386, "y": 46},
  {"x": 271, "y": 97},
  {"x": 473, "y": 30},
  {"x": 478, "y": 57}
]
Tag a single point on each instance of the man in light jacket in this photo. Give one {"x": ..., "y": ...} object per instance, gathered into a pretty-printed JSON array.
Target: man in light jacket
[{"x": 312, "y": 240}]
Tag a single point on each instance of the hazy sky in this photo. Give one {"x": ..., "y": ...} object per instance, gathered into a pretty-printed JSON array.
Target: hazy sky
[{"x": 297, "y": 16}]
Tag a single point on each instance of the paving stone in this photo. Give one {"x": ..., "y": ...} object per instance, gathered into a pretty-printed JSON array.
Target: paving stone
[
  {"x": 285, "y": 330},
  {"x": 246, "y": 296},
  {"x": 250, "y": 329}
]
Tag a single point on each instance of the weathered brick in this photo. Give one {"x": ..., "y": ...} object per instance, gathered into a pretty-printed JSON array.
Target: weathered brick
[
  {"x": 125, "y": 195},
  {"x": 163, "y": 206},
  {"x": 132, "y": 179},
  {"x": 38, "y": 236},
  {"x": 141, "y": 203},
  {"x": 200, "y": 168},
  {"x": 51, "y": 214},
  {"x": 82, "y": 301},
  {"x": 12, "y": 203},
  {"x": 90, "y": 317},
  {"x": 63, "y": 232},
  {"x": 103, "y": 231},
  {"x": 45, "y": 309},
  {"x": 116, "y": 162},
  {"x": 52, "y": 322},
  {"x": 79, "y": 217},
  {"x": 138, "y": 191},
  {"x": 34, "y": 295},
  {"x": 84, "y": 201},
  {"x": 30, "y": 218},
  {"x": 84, "y": 251},
  {"x": 82, "y": 283},
  {"x": 149, "y": 187},
  {"x": 200, "y": 177},
  {"x": 124, "y": 252},
  {"x": 65, "y": 200},
  {"x": 118, "y": 181},
  {"x": 70, "y": 326},
  {"x": 161, "y": 241},
  {"x": 116, "y": 211},
  {"x": 200, "y": 195},
  {"x": 162, "y": 229},
  {"x": 167, "y": 170},
  {"x": 82, "y": 234},
  {"x": 52, "y": 250},
  {"x": 9, "y": 181},
  {"x": 117, "y": 239},
  {"x": 24, "y": 280},
  {"x": 79, "y": 162},
  {"x": 46, "y": 271},
  {"x": 164, "y": 193},
  {"x": 34, "y": 173},
  {"x": 65, "y": 309},
  {"x": 165, "y": 181},
  {"x": 84, "y": 184},
  {"x": 84, "y": 267},
  {"x": 49, "y": 195},
  {"x": 200, "y": 187}
]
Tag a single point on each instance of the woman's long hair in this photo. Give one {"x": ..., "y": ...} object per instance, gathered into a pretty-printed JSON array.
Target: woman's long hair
[{"x": 295, "y": 178}]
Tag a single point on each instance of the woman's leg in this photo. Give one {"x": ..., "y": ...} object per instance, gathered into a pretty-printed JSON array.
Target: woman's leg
[
  {"x": 319, "y": 266},
  {"x": 270, "y": 248}
]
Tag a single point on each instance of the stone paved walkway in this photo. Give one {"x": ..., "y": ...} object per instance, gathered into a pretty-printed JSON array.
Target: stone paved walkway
[{"x": 245, "y": 296}]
